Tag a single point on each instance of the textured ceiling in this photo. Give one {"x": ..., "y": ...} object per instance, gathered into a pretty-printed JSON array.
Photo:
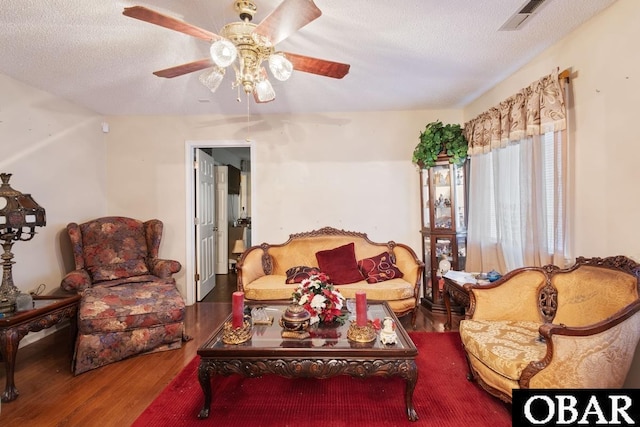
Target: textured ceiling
[{"x": 404, "y": 55}]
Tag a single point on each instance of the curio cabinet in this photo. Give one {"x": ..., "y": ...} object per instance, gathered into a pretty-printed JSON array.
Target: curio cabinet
[{"x": 443, "y": 196}]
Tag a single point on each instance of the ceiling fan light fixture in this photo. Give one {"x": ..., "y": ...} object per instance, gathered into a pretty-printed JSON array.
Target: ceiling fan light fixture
[
  {"x": 264, "y": 91},
  {"x": 212, "y": 78},
  {"x": 280, "y": 66},
  {"x": 223, "y": 53},
  {"x": 246, "y": 46}
]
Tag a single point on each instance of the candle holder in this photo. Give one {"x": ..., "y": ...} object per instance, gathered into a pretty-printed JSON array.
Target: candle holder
[
  {"x": 365, "y": 333},
  {"x": 231, "y": 335}
]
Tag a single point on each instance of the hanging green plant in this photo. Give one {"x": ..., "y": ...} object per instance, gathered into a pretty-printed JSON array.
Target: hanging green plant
[{"x": 438, "y": 138}]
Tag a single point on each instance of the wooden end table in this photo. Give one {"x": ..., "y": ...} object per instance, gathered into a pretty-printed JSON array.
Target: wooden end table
[
  {"x": 47, "y": 311},
  {"x": 268, "y": 353},
  {"x": 454, "y": 291}
]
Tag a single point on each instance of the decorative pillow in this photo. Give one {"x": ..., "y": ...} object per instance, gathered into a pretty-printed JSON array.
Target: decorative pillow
[
  {"x": 121, "y": 270},
  {"x": 299, "y": 273},
  {"x": 379, "y": 268},
  {"x": 340, "y": 264}
]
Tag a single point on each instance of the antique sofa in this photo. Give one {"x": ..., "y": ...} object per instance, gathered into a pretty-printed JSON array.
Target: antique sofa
[
  {"x": 385, "y": 271},
  {"x": 130, "y": 304},
  {"x": 548, "y": 327}
]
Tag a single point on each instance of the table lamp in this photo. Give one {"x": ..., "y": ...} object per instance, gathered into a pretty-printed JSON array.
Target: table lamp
[
  {"x": 19, "y": 217},
  {"x": 238, "y": 249}
]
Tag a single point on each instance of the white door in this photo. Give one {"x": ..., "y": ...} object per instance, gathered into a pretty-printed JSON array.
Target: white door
[
  {"x": 222, "y": 219},
  {"x": 205, "y": 224}
]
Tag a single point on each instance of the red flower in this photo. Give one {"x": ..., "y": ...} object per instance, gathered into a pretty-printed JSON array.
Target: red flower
[{"x": 376, "y": 324}]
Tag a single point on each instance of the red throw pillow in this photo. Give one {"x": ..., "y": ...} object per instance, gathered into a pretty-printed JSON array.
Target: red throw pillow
[
  {"x": 340, "y": 264},
  {"x": 299, "y": 273},
  {"x": 379, "y": 268}
]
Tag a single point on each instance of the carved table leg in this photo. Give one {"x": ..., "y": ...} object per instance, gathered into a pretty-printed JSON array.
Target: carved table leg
[
  {"x": 9, "y": 340},
  {"x": 412, "y": 380},
  {"x": 205, "y": 382},
  {"x": 447, "y": 304}
]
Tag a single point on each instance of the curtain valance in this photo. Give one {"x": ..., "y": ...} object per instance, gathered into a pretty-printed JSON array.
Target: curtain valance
[{"x": 535, "y": 110}]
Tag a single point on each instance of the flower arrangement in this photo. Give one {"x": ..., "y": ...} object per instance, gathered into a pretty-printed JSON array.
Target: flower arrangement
[{"x": 320, "y": 299}]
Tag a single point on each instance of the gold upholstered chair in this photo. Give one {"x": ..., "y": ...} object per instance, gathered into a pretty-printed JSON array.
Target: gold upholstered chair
[{"x": 546, "y": 327}]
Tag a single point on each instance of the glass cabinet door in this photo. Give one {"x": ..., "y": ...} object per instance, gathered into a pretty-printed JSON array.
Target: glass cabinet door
[
  {"x": 424, "y": 188},
  {"x": 428, "y": 288},
  {"x": 442, "y": 209},
  {"x": 462, "y": 251},
  {"x": 460, "y": 195}
]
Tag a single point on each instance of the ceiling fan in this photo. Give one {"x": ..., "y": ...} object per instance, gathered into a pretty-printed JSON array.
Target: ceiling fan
[{"x": 245, "y": 46}]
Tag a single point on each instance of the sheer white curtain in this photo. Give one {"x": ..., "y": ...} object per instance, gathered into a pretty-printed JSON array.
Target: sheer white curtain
[
  {"x": 518, "y": 181},
  {"x": 517, "y": 205}
]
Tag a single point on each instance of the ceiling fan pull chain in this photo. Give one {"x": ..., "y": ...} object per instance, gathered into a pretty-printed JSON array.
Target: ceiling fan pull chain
[{"x": 248, "y": 104}]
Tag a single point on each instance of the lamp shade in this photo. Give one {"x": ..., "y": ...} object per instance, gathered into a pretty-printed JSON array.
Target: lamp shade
[
  {"x": 264, "y": 91},
  {"x": 18, "y": 210},
  {"x": 280, "y": 67},
  {"x": 212, "y": 78},
  {"x": 238, "y": 247},
  {"x": 223, "y": 53}
]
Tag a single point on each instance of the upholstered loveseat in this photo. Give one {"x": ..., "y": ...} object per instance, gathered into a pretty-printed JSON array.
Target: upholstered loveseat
[
  {"x": 385, "y": 271},
  {"x": 130, "y": 304},
  {"x": 548, "y": 327}
]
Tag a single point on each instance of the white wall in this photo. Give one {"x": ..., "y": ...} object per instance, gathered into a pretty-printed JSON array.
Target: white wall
[
  {"x": 606, "y": 88},
  {"x": 56, "y": 152},
  {"x": 351, "y": 171}
]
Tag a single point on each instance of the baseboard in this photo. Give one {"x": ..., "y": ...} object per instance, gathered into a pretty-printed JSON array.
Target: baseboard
[{"x": 37, "y": 336}]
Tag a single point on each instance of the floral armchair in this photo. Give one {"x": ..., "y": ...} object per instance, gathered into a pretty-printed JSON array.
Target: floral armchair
[{"x": 130, "y": 304}]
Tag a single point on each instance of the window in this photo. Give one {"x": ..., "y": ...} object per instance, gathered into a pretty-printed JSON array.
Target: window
[{"x": 516, "y": 213}]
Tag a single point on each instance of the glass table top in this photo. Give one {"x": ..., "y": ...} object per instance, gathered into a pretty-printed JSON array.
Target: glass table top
[{"x": 321, "y": 338}]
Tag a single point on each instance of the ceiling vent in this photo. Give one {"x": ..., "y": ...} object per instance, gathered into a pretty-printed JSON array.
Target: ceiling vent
[{"x": 522, "y": 16}]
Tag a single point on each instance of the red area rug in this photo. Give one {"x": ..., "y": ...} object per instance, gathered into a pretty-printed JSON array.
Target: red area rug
[{"x": 443, "y": 397}]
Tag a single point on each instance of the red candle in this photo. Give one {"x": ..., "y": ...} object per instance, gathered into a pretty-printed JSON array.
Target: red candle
[
  {"x": 361, "y": 308},
  {"x": 237, "y": 309}
]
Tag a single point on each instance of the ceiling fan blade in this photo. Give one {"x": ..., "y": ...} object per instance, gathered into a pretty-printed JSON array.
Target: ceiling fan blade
[
  {"x": 287, "y": 18},
  {"x": 148, "y": 15},
  {"x": 321, "y": 67},
  {"x": 180, "y": 70}
]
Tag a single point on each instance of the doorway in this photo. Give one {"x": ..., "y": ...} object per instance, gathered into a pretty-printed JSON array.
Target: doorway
[{"x": 211, "y": 242}]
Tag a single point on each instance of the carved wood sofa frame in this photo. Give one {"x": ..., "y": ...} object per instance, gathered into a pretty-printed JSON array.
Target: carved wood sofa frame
[
  {"x": 251, "y": 268},
  {"x": 548, "y": 300}
]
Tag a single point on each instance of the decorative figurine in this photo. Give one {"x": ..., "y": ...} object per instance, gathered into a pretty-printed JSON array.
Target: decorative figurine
[
  {"x": 493, "y": 275},
  {"x": 295, "y": 322},
  {"x": 388, "y": 332},
  {"x": 444, "y": 265},
  {"x": 259, "y": 316}
]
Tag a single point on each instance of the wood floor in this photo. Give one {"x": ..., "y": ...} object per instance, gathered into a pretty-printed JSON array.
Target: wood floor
[{"x": 116, "y": 394}]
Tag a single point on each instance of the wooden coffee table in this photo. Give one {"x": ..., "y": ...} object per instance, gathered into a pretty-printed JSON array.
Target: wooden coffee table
[{"x": 268, "y": 353}]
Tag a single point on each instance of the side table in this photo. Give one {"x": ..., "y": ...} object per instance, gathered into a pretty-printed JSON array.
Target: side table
[
  {"x": 454, "y": 291},
  {"x": 47, "y": 311}
]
